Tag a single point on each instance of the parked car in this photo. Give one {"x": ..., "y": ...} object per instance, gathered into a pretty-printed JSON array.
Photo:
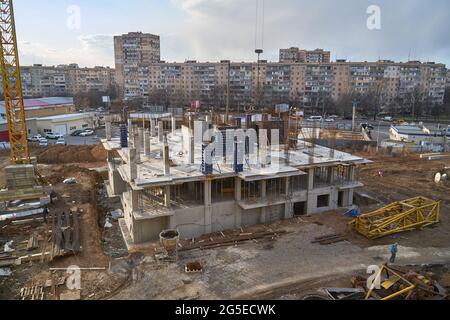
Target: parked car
[
  {"x": 87, "y": 133},
  {"x": 315, "y": 119},
  {"x": 53, "y": 136},
  {"x": 43, "y": 143},
  {"x": 329, "y": 120},
  {"x": 61, "y": 142},
  {"x": 35, "y": 138},
  {"x": 76, "y": 133}
]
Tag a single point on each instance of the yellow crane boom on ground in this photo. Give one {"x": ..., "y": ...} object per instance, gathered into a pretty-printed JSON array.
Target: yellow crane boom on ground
[{"x": 12, "y": 85}]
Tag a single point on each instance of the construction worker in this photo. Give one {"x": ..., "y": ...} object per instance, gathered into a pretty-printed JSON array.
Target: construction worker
[
  {"x": 394, "y": 250},
  {"x": 45, "y": 212}
]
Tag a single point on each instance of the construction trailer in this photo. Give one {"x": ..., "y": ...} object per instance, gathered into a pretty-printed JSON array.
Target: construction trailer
[
  {"x": 411, "y": 214},
  {"x": 163, "y": 183}
]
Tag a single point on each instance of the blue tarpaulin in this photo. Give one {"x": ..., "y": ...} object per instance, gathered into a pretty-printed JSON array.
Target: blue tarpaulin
[{"x": 355, "y": 212}]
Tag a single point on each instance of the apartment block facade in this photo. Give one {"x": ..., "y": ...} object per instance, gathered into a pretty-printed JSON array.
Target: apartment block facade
[
  {"x": 302, "y": 83},
  {"x": 65, "y": 80},
  {"x": 134, "y": 53},
  {"x": 296, "y": 55},
  {"x": 302, "y": 77}
]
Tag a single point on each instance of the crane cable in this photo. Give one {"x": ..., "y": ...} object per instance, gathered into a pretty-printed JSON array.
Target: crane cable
[{"x": 263, "y": 9}]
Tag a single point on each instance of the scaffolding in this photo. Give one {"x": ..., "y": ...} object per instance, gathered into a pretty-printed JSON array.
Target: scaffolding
[{"x": 408, "y": 215}]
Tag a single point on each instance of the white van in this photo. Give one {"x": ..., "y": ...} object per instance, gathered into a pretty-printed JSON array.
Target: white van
[{"x": 315, "y": 119}]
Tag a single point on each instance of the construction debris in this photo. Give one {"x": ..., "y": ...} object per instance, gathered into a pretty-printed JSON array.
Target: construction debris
[
  {"x": 329, "y": 239},
  {"x": 232, "y": 240},
  {"x": 411, "y": 214},
  {"x": 5, "y": 272},
  {"x": 32, "y": 293},
  {"x": 67, "y": 234},
  {"x": 393, "y": 284},
  {"x": 70, "y": 181}
]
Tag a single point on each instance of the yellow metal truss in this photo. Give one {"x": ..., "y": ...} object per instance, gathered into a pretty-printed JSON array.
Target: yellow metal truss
[
  {"x": 12, "y": 85},
  {"x": 400, "y": 216},
  {"x": 406, "y": 286}
]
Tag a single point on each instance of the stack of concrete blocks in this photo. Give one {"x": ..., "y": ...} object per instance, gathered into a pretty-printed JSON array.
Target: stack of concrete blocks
[
  {"x": 20, "y": 177},
  {"x": 21, "y": 181}
]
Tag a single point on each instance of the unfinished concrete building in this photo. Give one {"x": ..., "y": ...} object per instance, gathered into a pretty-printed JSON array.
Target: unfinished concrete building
[{"x": 164, "y": 181}]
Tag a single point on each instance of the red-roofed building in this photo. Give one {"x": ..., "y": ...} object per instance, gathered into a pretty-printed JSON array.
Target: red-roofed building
[{"x": 43, "y": 107}]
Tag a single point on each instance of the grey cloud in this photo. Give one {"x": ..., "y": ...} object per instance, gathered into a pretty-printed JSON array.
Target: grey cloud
[{"x": 217, "y": 29}]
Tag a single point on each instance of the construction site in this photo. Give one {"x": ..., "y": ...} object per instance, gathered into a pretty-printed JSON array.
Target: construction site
[{"x": 207, "y": 205}]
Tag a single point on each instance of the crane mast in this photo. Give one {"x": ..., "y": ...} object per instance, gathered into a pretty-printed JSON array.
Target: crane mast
[{"x": 12, "y": 85}]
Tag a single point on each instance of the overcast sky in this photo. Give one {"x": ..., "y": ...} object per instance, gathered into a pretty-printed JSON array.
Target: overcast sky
[{"x": 211, "y": 30}]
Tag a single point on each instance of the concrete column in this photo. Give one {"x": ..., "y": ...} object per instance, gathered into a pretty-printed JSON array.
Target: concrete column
[
  {"x": 108, "y": 128},
  {"x": 263, "y": 198},
  {"x": 331, "y": 173},
  {"x": 166, "y": 157},
  {"x": 167, "y": 196},
  {"x": 311, "y": 179},
  {"x": 152, "y": 128},
  {"x": 350, "y": 197},
  {"x": 134, "y": 205},
  {"x": 147, "y": 143},
  {"x": 238, "y": 197},
  {"x": 174, "y": 125},
  {"x": 160, "y": 132},
  {"x": 141, "y": 139},
  {"x": 208, "y": 207},
  {"x": 263, "y": 144},
  {"x": 352, "y": 173},
  {"x": 130, "y": 127},
  {"x": 237, "y": 189},
  {"x": 132, "y": 164},
  {"x": 191, "y": 152},
  {"x": 137, "y": 146}
]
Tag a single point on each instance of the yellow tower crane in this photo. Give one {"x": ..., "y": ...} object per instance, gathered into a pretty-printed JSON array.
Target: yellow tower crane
[{"x": 12, "y": 85}]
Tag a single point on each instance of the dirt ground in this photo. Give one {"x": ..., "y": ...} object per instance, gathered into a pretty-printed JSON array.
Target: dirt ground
[
  {"x": 85, "y": 195},
  {"x": 403, "y": 178},
  {"x": 245, "y": 271}
]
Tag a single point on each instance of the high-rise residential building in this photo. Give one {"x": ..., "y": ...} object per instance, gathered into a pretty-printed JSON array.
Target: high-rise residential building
[
  {"x": 448, "y": 78},
  {"x": 64, "y": 80},
  {"x": 296, "y": 55},
  {"x": 303, "y": 77},
  {"x": 307, "y": 84},
  {"x": 134, "y": 52}
]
